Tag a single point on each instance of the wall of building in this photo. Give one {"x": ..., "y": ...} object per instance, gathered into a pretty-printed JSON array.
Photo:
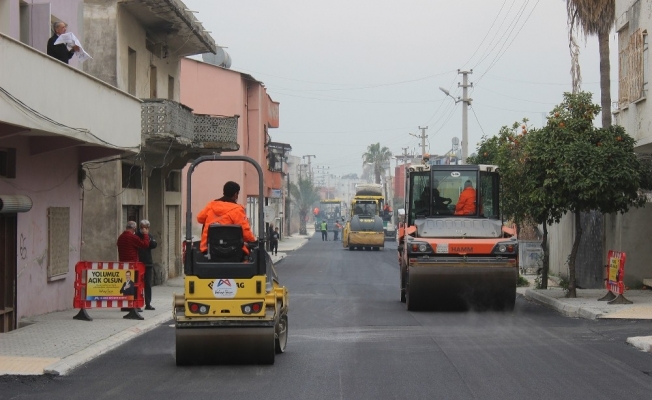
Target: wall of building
[
  {"x": 47, "y": 187},
  {"x": 212, "y": 90},
  {"x": 622, "y": 233},
  {"x": 130, "y": 34}
]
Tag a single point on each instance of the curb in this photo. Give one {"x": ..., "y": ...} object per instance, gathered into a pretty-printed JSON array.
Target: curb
[
  {"x": 565, "y": 309},
  {"x": 643, "y": 343},
  {"x": 65, "y": 365}
]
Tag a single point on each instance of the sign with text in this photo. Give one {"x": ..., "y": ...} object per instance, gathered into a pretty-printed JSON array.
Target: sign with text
[
  {"x": 616, "y": 272},
  {"x": 117, "y": 284}
]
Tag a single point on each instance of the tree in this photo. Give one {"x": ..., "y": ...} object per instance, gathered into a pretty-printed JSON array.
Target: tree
[
  {"x": 376, "y": 157},
  {"x": 304, "y": 196},
  {"x": 352, "y": 175},
  {"x": 587, "y": 168},
  {"x": 596, "y": 17},
  {"x": 566, "y": 166}
]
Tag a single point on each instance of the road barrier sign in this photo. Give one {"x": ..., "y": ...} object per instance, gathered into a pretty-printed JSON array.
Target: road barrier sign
[
  {"x": 109, "y": 284},
  {"x": 614, "y": 281}
]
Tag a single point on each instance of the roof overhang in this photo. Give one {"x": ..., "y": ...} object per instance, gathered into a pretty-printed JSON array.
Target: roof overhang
[{"x": 171, "y": 22}]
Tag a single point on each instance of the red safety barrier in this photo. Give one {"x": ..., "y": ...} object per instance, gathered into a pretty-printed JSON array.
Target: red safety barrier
[
  {"x": 109, "y": 284},
  {"x": 615, "y": 275}
]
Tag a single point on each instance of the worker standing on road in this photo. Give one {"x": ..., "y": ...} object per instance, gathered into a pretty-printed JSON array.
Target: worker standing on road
[
  {"x": 324, "y": 231},
  {"x": 336, "y": 232}
]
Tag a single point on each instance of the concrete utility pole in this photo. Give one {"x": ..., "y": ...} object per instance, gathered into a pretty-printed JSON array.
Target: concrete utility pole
[
  {"x": 423, "y": 137},
  {"x": 466, "y": 101},
  {"x": 310, "y": 156}
]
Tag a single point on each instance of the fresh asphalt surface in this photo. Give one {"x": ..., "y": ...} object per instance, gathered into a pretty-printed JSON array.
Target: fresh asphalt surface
[{"x": 351, "y": 338}]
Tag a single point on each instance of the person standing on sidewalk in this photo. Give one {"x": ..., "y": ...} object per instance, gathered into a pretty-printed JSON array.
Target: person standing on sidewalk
[
  {"x": 145, "y": 256},
  {"x": 129, "y": 244},
  {"x": 324, "y": 231},
  {"x": 273, "y": 242}
]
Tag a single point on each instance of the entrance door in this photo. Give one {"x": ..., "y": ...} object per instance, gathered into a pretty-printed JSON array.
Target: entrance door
[{"x": 7, "y": 272}]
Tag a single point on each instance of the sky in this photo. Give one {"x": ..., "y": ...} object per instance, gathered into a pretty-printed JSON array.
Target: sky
[{"x": 350, "y": 73}]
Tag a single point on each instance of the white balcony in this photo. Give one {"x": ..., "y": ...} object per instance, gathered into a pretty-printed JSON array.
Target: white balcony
[{"x": 58, "y": 106}]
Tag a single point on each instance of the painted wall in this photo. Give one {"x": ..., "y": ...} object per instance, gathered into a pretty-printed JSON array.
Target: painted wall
[
  {"x": 208, "y": 89},
  {"x": 40, "y": 82},
  {"x": 68, "y": 11},
  {"x": 47, "y": 187}
]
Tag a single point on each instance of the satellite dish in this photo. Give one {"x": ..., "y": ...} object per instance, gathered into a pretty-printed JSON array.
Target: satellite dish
[
  {"x": 220, "y": 58},
  {"x": 456, "y": 141}
]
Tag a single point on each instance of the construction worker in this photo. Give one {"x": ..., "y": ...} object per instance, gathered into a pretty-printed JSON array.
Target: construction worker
[
  {"x": 324, "y": 231},
  {"x": 466, "y": 203},
  {"x": 226, "y": 211},
  {"x": 336, "y": 232}
]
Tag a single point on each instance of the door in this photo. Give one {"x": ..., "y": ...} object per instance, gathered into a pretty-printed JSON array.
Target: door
[{"x": 8, "y": 272}]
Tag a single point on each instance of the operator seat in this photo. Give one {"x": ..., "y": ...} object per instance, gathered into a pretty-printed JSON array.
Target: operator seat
[{"x": 225, "y": 243}]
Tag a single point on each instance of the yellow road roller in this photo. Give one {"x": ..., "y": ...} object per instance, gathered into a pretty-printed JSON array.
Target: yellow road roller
[{"x": 233, "y": 309}]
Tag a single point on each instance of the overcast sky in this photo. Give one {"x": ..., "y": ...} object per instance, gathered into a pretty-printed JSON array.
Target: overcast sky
[{"x": 349, "y": 73}]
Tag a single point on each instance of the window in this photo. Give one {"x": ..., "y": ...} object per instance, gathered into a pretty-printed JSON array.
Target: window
[
  {"x": 632, "y": 81},
  {"x": 170, "y": 88},
  {"x": 489, "y": 201},
  {"x": 8, "y": 163},
  {"x": 131, "y": 176},
  {"x": 173, "y": 181},
  {"x": 131, "y": 72},
  {"x": 58, "y": 242},
  {"x": 153, "y": 93}
]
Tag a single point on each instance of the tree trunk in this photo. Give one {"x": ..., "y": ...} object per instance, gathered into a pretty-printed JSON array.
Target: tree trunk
[
  {"x": 605, "y": 80},
  {"x": 546, "y": 258},
  {"x": 302, "y": 223},
  {"x": 572, "y": 292}
]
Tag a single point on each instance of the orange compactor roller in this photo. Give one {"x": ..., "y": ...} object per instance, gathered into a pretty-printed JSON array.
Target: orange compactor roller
[{"x": 454, "y": 250}]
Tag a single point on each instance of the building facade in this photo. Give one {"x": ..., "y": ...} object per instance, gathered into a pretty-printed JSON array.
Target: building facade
[
  {"x": 137, "y": 46},
  {"x": 213, "y": 90},
  {"x": 49, "y": 128}
]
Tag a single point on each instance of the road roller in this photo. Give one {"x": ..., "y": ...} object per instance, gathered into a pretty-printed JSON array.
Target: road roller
[
  {"x": 365, "y": 230},
  {"x": 455, "y": 252},
  {"x": 233, "y": 309}
]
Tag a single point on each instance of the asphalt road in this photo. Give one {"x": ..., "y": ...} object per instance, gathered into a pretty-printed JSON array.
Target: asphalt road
[{"x": 351, "y": 338}]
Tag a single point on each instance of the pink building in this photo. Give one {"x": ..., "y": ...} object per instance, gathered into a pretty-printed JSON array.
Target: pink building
[
  {"x": 49, "y": 128},
  {"x": 213, "y": 90}
]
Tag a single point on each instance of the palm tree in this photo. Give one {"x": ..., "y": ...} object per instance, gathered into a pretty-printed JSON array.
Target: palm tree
[
  {"x": 304, "y": 196},
  {"x": 596, "y": 17},
  {"x": 376, "y": 157}
]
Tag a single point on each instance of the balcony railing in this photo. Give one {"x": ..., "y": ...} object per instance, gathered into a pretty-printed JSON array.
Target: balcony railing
[
  {"x": 166, "y": 118},
  {"x": 216, "y": 133}
]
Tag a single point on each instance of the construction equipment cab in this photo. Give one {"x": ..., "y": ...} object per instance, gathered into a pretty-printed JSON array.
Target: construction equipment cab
[{"x": 453, "y": 247}]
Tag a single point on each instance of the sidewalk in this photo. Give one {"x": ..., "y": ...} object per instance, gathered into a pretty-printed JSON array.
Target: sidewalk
[
  {"x": 586, "y": 305},
  {"x": 55, "y": 343}
]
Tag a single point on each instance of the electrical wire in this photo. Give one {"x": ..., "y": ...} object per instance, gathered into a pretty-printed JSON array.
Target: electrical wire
[
  {"x": 32, "y": 112},
  {"x": 477, "y": 120}
]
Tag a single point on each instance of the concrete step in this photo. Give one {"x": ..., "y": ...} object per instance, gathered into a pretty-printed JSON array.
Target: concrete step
[{"x": 648, "y": 282}]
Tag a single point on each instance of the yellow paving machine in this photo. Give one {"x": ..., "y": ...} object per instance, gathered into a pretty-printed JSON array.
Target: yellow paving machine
[{"x": 233, "y": 309}]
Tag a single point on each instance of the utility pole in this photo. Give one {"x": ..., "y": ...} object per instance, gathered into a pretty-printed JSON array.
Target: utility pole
[
  {"x": 310, "y": 156},
  {"x": 423, "y": 137},
  {"x": 466, "y": 102}
]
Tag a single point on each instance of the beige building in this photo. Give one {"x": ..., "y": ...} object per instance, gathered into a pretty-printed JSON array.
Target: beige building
[{"x": 137, "y": 46}]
